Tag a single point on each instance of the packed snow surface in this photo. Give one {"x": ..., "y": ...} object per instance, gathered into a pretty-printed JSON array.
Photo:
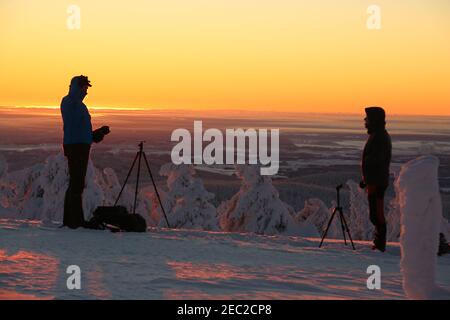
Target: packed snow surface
[{"x": 191, "y": 264}]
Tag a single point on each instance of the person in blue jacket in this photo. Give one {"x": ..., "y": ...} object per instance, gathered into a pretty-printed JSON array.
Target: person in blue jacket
[{"x": 78, "y": 137}]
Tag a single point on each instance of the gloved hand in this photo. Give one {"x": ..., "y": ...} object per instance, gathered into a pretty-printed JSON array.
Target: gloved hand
[
  {"x": 100, "y": 133},
  {"x": 362, "y": 184}
]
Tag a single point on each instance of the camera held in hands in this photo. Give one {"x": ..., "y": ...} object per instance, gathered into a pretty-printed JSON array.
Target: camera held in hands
[{"x": 100, "y": 133}]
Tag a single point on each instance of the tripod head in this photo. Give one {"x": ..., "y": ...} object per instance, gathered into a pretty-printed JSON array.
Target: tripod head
[
  {"x": 141, "y": 145},
  {"x": 338, "y": 189}
]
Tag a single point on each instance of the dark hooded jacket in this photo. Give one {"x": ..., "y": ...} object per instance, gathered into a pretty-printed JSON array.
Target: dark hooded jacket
[
  {"x": 76, "y": 117},
  {"x": 377, "y": 152}
]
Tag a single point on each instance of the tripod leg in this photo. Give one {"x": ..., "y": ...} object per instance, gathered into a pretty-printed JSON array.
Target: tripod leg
[
  {"x": 348, "y": 231},
  {"x": 328, "y": 226},
  {"x": 126, "y": 179},
  {"x": 137, "y": 182},
  {"x": 342, "y": 226},
  {"x": 156, "y": 189}
]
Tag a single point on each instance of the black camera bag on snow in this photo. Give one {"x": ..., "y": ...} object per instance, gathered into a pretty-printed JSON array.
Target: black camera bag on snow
[{"x": 116, "y": 218}]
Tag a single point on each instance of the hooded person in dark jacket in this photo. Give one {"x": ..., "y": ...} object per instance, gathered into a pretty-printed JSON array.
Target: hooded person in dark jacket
[
  {"x": 375, "y": 164},
  {"x": 78, "y": 137}
]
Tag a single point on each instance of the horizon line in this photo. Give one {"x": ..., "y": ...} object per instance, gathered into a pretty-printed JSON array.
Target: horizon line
[{"x": 114, "y": 108}]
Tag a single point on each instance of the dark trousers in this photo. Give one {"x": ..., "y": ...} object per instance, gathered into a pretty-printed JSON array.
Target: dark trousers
[
  {"x": 376, "y": 211},
  {"x": 77, "y": 158}
]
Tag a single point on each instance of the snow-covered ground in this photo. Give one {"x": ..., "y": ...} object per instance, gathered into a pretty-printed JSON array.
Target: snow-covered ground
[{"x": 188, "y": 264}]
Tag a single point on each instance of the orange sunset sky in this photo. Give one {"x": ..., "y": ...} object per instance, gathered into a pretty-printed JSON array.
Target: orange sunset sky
[{"x": 287, "y": 55}]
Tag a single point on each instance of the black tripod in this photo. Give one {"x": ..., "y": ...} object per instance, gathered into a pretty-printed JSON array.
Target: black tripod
[
  {"x": 344, "y": 225},
  {"x": 138, "y": 157}
]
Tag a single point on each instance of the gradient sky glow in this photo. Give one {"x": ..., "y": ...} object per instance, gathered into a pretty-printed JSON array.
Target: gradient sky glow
[{"x": 288, "y": 55}]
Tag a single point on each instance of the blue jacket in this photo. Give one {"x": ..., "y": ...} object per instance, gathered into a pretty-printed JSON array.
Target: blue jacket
[{"x": 76, "y": 117}]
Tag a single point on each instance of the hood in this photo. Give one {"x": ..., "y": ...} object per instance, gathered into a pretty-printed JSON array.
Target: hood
[
  {"x": 376, "y": 117},
  {"x": 75, "y": 89}
]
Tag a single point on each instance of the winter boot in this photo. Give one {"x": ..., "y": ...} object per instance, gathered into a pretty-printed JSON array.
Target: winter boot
[
  {"x": 379, "y": 243},
  {"x": 444, "y": 247}
]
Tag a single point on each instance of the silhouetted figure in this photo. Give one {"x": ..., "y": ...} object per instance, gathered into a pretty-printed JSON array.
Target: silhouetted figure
[
  {"x": 78, "y": 137},
  {"x": 375, "y": 164}
]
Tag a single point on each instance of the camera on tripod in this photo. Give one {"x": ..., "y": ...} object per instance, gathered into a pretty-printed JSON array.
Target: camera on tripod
[{"x": 338, "y": 209}]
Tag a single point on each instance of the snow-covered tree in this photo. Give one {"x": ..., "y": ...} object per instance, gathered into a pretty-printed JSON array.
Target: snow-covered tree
[
  {"x": 393, "y": 219},
  {"x": 359, "y": 219},
  {"x": 5, "y": 190},
  {"x": 3, "y": 167},
  {"x": 421, "y": 219},
  {"x": 316, "y": 213},
  {"x": 186, "y": 202},
  {"x": 258, "y": 208},
  {"x": 38, "y": 192}
]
